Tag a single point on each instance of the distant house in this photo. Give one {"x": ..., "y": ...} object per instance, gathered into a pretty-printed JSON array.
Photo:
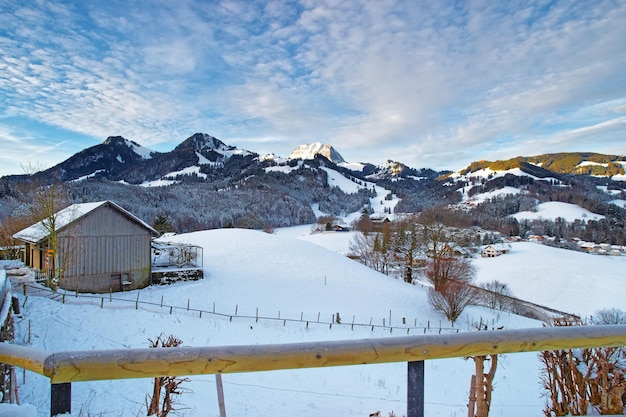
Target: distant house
[
  {"x": 380, "y": 224},
  {"x": 101, "y": 248},
  {"x": 491, "y": 251}
]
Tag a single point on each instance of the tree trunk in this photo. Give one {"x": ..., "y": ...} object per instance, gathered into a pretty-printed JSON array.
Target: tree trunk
[
  {"x": 484, "y": 384},
  {"x": 153, "y": 409}
]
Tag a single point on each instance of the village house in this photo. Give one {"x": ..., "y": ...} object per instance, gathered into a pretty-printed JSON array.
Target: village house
[
  {"x": 491, "y": 251},
  {"x": 100, "y": 247}
]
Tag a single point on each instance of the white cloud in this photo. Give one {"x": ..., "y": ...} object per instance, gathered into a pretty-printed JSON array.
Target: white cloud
[{"x": 432, "y": 83}]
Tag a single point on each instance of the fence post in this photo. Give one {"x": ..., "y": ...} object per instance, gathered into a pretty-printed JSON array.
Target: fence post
[
  {"x": 60, "y": 398},
  {"x": 220, "y": 395},
  {"x": 415, "y": 389}
]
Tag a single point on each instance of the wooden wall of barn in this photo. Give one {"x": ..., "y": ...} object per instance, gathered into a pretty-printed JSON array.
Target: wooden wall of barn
[{"x": 105, "y": 250}]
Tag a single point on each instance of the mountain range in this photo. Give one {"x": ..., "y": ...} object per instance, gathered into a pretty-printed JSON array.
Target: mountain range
[
  {"x": 229, "y": 186},
  {"x": 120, "y": 159}
]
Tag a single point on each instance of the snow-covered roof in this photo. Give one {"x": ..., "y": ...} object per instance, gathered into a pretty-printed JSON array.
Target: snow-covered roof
[{"x": 38, "y": 231}]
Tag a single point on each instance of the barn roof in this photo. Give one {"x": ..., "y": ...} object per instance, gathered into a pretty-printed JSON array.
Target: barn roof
[{"x": 39, "y": 232}]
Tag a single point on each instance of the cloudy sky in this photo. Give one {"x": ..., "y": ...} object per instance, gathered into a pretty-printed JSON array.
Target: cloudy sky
[{"x": 433, "y": 84}]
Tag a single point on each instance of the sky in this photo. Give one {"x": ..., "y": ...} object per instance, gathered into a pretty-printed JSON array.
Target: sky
[{"x": 434, "y": 84}]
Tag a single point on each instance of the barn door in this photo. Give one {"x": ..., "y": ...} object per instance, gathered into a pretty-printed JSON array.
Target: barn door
[{"x": 116, "y": 282}]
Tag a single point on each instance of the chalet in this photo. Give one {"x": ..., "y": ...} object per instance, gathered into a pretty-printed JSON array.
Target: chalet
[
  {"x": 448, "y": 249},
  {"x": 100, "y": 247},
  {"x": 491, "y": 251}
]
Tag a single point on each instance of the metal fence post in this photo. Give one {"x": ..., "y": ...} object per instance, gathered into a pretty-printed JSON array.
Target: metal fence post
[
  {"x": 60, "y": 398},
  {"x": 415, "y": 389}
]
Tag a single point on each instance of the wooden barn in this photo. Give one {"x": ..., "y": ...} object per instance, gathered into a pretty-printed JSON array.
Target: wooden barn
[{"x": 100, "y": 248}]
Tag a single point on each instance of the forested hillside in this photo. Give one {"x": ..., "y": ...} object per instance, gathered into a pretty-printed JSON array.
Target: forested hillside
[{"x": 576, "y": 163}]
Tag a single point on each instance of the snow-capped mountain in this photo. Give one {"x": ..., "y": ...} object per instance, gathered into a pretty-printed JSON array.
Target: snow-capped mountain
[
  {"x": 309, "y": 151},
  {"x": 250, "y": 190},
  {"x": 113, "y": 156},
  {"x": 210, "y": 147},
  {"x": 120, "y": 159},
  {"x": 202, "y": 141}
]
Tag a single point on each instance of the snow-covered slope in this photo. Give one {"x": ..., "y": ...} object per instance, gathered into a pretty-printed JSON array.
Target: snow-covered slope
[
  {"x": 574, "y": 282},
  {"x": 282, "y": 277},
  {"x": 553, "y": 209}
]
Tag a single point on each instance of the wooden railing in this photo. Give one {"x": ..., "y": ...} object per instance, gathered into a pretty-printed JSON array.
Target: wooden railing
[{"x": 63, "y": 368}]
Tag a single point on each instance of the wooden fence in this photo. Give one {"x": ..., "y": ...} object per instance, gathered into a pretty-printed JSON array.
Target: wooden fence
[{"x": 63, "y": 368}]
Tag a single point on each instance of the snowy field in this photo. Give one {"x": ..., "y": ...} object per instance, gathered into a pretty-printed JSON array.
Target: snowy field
[
  {"x": 293, "y": 274},
  {"x": 553, "y": 209}
]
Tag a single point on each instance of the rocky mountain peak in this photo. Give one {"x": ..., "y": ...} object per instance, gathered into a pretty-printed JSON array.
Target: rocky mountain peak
[
  {"x": 393, "y": 167},
  {"x": 202, "y": 141},
  {"x": 115, "y": 141},
  {"x": 309, "y": 151}
]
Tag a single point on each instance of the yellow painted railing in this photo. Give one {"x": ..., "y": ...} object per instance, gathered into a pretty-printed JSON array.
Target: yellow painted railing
[{"x": 74, "y": 366}]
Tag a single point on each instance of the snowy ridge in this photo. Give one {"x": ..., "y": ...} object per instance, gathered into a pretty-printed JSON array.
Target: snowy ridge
[
  {"x": 203, "y": 142},
  {"x": 141, "y": 151}
]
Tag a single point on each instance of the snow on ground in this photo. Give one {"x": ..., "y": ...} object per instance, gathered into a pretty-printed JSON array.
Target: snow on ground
[
  {"x": 292, "y": 274},
  {"x": 479, "y": 198},
  {"x": 380, "y": 205},
  {"x": 194, "y": 169},
  {"x": 553, "y": 209},
  {"x": 488, "y": 173},
  {"x": 570, "y": 281},
  {"x": 605, "y": 189},
  {"x": 335, "y": 179},
  {"x": 13, "y": 410},
  {"x": 285, "y": 169},
  {"x": 352, "y": 166},
  {"x": 158, "y": 183},
  {"x": 279, "y": 275},
  {"x": 619, "y": 203}
]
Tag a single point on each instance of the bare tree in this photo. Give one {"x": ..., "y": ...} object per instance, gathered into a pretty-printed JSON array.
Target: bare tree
[
  {"x": 609, "y": 316},
  {"x": 10, "y": 248},
  {"x": 446, "y": 267},
  {"x": 408, "y": 246},
  {"x": 496, "y": 295},
  {"x": 47, "y": 199},
  {"x": 483, "y": 384},
  {"x": 373, "y": 249},
  {"x": 452, "y": 299},
  {"x": 169, "y": 385},
  {"x": 450, "y": 276}
]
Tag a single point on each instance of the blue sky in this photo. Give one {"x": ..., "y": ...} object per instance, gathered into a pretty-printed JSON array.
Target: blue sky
[{"x": 434, "y": 84}]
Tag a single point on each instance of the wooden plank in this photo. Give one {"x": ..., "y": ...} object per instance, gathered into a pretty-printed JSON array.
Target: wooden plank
[
  {"x": 144, "y": 363},
  {"x": 220, "y": 395}
]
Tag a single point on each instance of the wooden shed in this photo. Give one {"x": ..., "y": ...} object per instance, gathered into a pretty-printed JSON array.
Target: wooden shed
[{"x": 100, "y": 248}]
